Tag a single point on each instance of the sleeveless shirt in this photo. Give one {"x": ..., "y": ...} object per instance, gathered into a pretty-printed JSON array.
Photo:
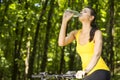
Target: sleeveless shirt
[{"x": 86, "y": 52}]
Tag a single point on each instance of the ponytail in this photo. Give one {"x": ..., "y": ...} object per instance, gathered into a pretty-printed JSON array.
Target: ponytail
[
  {"x": 93, "y": 24},
  {"x": 92, "y": 31}
]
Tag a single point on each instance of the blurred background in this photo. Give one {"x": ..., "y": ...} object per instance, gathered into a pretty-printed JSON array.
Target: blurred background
[{"x": 29, "y": 32}]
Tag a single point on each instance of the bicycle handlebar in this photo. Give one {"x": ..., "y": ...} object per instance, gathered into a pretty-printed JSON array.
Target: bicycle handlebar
[{"x": 44, "y": 75}]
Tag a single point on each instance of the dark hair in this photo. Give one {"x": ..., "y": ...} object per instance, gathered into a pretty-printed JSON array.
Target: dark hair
[{"x": 93, "y": 24}]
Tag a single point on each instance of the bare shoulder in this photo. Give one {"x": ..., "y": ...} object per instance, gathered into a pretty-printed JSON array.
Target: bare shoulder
[
  {"x": 74, "y": 32},
  {"x": 98, "y": 33}
]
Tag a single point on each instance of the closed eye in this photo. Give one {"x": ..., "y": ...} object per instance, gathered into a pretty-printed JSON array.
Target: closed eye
[{"x": 84, "y": 11}]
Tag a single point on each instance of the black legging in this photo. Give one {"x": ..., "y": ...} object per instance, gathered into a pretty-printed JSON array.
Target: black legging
[{"x": 98, "y": 75}]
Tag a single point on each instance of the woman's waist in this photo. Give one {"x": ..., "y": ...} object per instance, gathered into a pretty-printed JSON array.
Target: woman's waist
[
  {"x": 86, "y": 60},
  {"x": 100, "y": 64}
]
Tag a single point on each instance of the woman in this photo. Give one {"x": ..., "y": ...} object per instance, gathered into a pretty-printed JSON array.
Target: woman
[{"x": 89, "y": 45}]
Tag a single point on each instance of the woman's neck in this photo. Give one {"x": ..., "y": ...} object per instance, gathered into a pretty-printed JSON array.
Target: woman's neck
[{"x": 86, "y": 28}]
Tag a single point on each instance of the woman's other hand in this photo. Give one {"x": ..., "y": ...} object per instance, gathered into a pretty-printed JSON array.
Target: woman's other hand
[{"x": 80, "y": 74}]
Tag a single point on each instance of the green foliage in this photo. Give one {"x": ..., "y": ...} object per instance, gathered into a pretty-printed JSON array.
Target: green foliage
[
  {"x": 62, "y": 3},
  {"x": 18, "y": 23}
]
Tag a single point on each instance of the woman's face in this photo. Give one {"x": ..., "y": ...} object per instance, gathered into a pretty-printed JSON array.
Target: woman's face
[{"x": 85, "y": 15}]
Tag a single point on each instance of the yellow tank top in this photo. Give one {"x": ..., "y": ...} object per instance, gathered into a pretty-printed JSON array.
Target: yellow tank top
[{"x": 86, "y": 52}]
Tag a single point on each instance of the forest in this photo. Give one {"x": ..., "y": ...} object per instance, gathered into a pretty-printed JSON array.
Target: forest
[{"x": 29, "y": 31}]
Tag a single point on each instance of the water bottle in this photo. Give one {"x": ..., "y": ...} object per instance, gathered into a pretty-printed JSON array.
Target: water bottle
[{"x": 75, "y": 13}]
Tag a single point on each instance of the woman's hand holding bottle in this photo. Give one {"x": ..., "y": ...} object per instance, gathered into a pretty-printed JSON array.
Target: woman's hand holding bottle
[{"x": 67, "y": 16}]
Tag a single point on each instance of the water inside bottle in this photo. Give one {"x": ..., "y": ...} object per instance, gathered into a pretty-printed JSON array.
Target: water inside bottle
[{"x": 76, "y": 13}]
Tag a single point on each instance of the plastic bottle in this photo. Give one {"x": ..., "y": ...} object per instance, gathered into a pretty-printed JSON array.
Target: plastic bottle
[{"x": 76, "y": 13}]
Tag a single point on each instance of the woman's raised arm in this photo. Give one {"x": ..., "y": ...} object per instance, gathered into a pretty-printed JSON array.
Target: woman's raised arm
[{"x": 63, "y": 39}]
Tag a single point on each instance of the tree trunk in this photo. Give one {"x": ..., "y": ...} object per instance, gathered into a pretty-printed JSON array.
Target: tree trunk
[
  {"x": 62, "y": 61},
  {"x": 32, "y": 56},
  {"x": 4, "y": 12},
  {"x": 18, "y": 43},
  {"x": 110, "y": 36},
  {"x": 46, "y": 44},
  {"x": 15, "y": 56},
  {"x": 27, "y": 58},
  {"x": 71, "y": 57}
]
